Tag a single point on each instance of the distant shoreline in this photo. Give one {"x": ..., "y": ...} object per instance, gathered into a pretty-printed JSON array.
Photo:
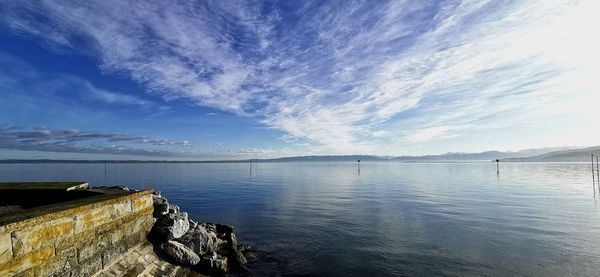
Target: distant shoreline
[
  {"x": 262, "y": 161},
  {"x": 551, "y": 154}
]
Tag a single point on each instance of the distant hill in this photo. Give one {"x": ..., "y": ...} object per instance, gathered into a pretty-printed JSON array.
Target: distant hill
[
  {"x": 481, "y": 156},
  {"x": 527, "y": 155},
  {"x": 342, "y": 158},
  {"x": 571, "y": 155}
]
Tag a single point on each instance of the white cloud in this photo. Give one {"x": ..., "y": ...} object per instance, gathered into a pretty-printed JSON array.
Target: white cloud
[
  {"x": 338, "y": 75},
  {"x": 115, "y": 98}
]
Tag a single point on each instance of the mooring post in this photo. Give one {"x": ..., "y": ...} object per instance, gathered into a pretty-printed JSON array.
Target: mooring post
[
  {"x": 105, "y": 165},
  {"x": 597, "y": 173},
  {"x": 593, "y": 176},
  {"x": 498, "y": 166}
]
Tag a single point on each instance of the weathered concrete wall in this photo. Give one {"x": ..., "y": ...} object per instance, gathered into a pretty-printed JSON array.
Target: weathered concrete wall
[{"x": 77, "y": 241}]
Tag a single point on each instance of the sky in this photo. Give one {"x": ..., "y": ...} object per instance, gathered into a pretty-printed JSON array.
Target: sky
[{"x": 118, "y": 79}]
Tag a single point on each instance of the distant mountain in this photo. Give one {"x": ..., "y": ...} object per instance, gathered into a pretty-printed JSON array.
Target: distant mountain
[
  {"x": 482, "y": 156},
  {"x": 349, "y": 158},
  {"x": 538, "y": 154},
  {"x": 570, "y": 155},
  {"x": 455, "y": 157},
  {"x": 343, "y": 158}
]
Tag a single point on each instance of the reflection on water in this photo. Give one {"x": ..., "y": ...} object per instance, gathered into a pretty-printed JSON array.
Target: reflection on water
[{"x": 391, "y": 219}]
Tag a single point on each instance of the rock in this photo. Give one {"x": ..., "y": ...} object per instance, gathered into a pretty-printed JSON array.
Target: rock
[
  {"x": 170, "y": 226},
  {"x": 244, "y": 247},
  {"x": 209, "y": 227},
  {"x": 206, "y": 247},
  {"x": 173, "y": 209},
  {"x": 235, "y": 254},
  {"x": 231, "y": 250},
  {"x": 220, "y": 264},
  {"x": 224, "y": 229},
  {"x": 161, "y": 206},
  {"x": 214, "y": 264},
  {"x": 201, "y": 240},
  {"x": 193, "y": 224},
  {"x": 180, "y": 253},
  {"x": 252, "y": 255}
]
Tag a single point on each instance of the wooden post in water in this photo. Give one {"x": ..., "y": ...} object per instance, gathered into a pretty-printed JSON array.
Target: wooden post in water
[
  {"x": 593, "y": 176},
  {"x": 105, "y": 165},
  {"x": 498, "y": 166},
  {"x": 358, "y": 167},
  {"x": 597, "y": 173}
]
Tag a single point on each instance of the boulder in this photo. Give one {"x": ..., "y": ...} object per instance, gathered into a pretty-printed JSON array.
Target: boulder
[
  {"x": 193, "y": 224},
  {"x": 173, "y": 209},
  {"x": 201, "y": 240},
  {"x": 180, "y": 253},
  {"x": 223, "y": 229},
  {"x": 252, "y": 255},
  {"x": 214, "y": 264},
  {"x": 231, "y": 249},
  {"x": 206, "y": 247},
  {"x": 161, "y": 206},
  {"x": 234, "y": 253},
  {"x": 170, "y": 226}
]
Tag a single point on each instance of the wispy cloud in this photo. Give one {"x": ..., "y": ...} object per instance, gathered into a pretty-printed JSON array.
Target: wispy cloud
[
  {"x": 77, "y": 141},
  {"x": 115, "y": 98},
  {"x": 255, "y": 151},
  {"x": 335, "y": 73}
]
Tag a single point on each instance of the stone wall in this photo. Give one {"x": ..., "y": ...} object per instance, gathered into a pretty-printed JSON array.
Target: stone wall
[{"x": 77, "y": 241}]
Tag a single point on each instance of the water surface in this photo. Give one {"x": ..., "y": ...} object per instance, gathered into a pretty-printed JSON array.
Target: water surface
[{"x": 389, "y": 219}]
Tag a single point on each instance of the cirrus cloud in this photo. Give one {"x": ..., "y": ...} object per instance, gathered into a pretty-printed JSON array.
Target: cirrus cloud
[{"x": 334, "y": 73}]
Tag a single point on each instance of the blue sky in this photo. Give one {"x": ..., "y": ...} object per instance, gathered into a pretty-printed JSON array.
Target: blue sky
[{"x": 243, "y": 79}]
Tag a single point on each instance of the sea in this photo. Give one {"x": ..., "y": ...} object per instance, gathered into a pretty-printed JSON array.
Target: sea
[{"x": 379, "y": 218}]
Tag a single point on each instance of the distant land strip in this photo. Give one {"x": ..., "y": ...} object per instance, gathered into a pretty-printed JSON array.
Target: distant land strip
[{"x": 553, "y": 154}]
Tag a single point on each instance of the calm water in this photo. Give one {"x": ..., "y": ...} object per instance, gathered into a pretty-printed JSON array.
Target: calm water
[{"x": 392, "y": 219}]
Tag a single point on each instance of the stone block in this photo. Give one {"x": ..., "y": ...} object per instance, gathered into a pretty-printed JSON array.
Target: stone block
[
  {"x": 59, "y": 265},
  {"x": 27, "y": 240},
  {"x": 121, "y": 209},
  {"x": 88, "y": 220},
  {"x": 141, "y": 224},
  {"x": 88, "y": 267},
  {"x": 73, "y": 242},
  {"x": 26, "y": 262},
  {"x": 114, "y": 237},
  {"x": 133, "y": 240},
  {"x": 93, "y": 247},
  {"x": 111, "y": 254},
  {"x": 5, "y": 248},
  {"x": 141, "y": 203},
  {"x": 141, "y": 220},
  {"x": 117, "y": 224}
]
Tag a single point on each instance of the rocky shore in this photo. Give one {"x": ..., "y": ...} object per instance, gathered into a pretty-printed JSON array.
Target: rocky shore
[
  {"x": 204, "y": 247},
  {"x": 207, "y": 248}
]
